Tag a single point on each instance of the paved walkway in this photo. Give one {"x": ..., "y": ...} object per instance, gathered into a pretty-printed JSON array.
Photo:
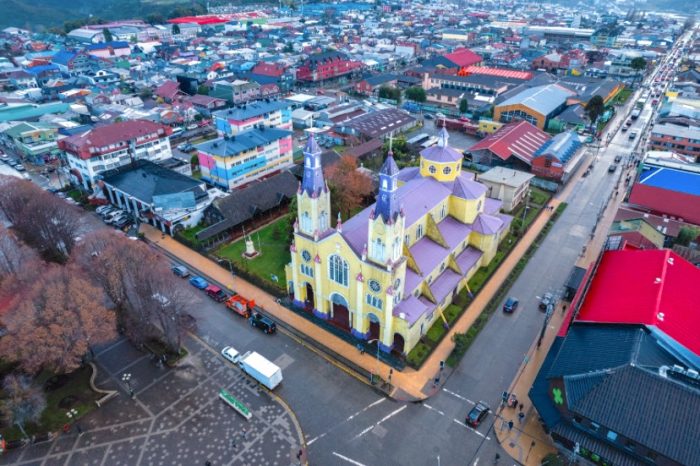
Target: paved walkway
[{"x": 408, "y": 384}]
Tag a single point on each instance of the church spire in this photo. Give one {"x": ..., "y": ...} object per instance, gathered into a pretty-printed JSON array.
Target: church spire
[
  {"x": 313, "y": 182},
  {"x": 443, "y": 137},
  {"x": 387, "y": 200}
]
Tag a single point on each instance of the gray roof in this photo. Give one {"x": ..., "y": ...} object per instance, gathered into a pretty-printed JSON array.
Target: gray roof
[
  {"x": 243, "y": 204},
  {"x": 543, "y": 99},
  {"x": 676, "y": 131},
  {"x": 381, "y": 122},
  {"x": 642, "y": 405},
  {"x": 251, "y": 110},
  {"x": 506, "y": 176},
  {"x": 233, "y": 145},
  {"x": 145, "y": 179}
]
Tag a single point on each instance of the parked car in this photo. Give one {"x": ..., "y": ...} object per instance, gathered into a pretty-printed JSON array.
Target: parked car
[
  {"x": 117, "y": 219},
  {"x": 199, "y": 282},
  {"x": 477, "y": 414},
  {"x": 265, "y": 324},
  {"x": 632, "y": 135},
  {"x": 546, "y": 300},
  {"x": 240, "y": 305},
  {"x": 19, "y": 167},
  {"x": 511, "y": 305},
  {"x": 180, "y": 270},
  {"x": 103, "y": 209},
  {"x": 216, "y": 293},
  {"x": 612, "y": 168},
  {"x": 618, "y": 158},
  {"x": 231, "y": 354},
  {"x": 112, "y": 215},
  {"x": 122, "y": 222},
  {"x": 185, "y": 147}
]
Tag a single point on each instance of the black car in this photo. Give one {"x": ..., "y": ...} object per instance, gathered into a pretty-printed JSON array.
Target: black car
[
  {"x": 477, "y": 414},
  {"x": 265, "y": 324}
]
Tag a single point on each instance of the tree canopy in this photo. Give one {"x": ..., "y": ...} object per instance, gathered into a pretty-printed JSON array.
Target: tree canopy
[
  {"x": 595, "y": 107},
  {"x": 349, "y": 187},
  {"x": 416, "y": 94}
]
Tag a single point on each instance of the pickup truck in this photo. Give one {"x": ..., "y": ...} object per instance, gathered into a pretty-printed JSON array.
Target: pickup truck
[{"x": 260, "y": 369}]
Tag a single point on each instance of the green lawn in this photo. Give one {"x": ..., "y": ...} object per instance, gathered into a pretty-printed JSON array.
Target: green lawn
[
  {"x": 622, "y": 96},
  {"x": 271, "y": 241},
  {"x": 538, "y": 196},
  {"x": 190, "y": 233},
  {"x": 65, "y": 392}
]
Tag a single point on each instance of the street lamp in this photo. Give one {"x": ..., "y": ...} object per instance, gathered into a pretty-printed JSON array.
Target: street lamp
[
  {"x": 371, "y": 375},
  {"x": 126, "y": 378}
]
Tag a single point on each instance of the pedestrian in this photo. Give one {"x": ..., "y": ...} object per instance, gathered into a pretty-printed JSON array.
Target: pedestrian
[
  {"x": 244, "y": 433},
  {"x": 520, "y": 407},
  {"x": 207, "y": 463},
  {"x": 233, "y": 444},
  {"x": 510, "y": 425},
  {"x": 299, "y": 453},
  {"x": 80, "y": 430},
  {"x": 521, "y": 416}
]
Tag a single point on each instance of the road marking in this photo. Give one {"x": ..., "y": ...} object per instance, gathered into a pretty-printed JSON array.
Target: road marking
[
  {"x": 458, "y": 396},
  {"x": 349, "y": 460},
  {"x": 316, "y": 438},
  {"x": 433, "y": 409},
  {"x": 473, "y": 430},
  {"x": 393, "y": 413},
  {"x": 476, "y": 461},
  {"x": 371, "y": 405}
]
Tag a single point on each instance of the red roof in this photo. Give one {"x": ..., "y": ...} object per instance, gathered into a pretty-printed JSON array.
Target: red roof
[
  {"x": 268, "y": 69},
  {"x": 664, "y": 201},
  {"x": 168, "y": 90},
  {"x": 115, "y": 133},
  {"x": 500, "y": 72},
  {"x": 463, "y": 57},
  {"x": 519, "y": 138},
  {"x": 648, "y": 287}
]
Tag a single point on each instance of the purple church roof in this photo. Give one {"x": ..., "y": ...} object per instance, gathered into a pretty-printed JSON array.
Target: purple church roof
[
  {"x": 428, "y": 254},
  {"x": 445, "y": 284},
  {"x": 453, "y": 231},
  {"x": 487, "y": 224},
  {"x": 412, "y": 309},
  {"x": 468, "y": 189},
  {"x": 441, "y": 152},
  {"x": 492, "y": 206},
  {"x": 468, "y": 258}
]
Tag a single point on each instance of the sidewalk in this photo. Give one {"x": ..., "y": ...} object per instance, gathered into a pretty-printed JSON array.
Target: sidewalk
[
  {"x": 408, "y": 384},
  {"x": 527, "y": 442}
]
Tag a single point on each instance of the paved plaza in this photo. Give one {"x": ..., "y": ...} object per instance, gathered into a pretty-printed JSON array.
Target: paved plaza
[{"x": 175, "y": 417}]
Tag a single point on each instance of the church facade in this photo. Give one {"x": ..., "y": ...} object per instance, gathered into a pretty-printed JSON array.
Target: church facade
[{"x": 387, "y": 273}]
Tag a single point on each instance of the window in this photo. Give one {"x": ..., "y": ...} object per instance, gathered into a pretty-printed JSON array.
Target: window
[
  {"x": 324, "y": 221},
  {"x": 612, "y": 436},
  {"x": 396, "y": 249},
  {"x": 307, "y": 270},
  {"x": 406, "y": 240},
  {"x": 306, "y": 222},
  {"x": 432, "y": 169},
  {"x": 419, "y": 232},
  {"x": 443, "y": 211},
  {"x": 446, "y": 170},
  {"x": 374, "y": 301},
  {"x": 378, "y": 250},
  {"x": 338, "y": 270},
  {"x": 442, "y": 267}
]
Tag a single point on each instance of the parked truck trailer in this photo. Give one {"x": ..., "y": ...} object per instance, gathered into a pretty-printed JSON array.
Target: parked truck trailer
[{"x": 261, "y": 369}]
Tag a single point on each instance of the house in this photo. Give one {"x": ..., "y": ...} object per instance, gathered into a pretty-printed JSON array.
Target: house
[
  {"x": 371, "y": 84},
  {"x": 236, "y": 160},
  {"x": 326, "y": 65},
  {"x": 168, "y": 91},
  {"x": 90, "y": 153},
  {"x": 509, "y": 186},
  {"x": 205, "y": 104},
  {"x": 109, "y": 49},
  {"x": 551, "y": 159},
  {"x": 273, "y": 114},
  {"x": 34, "y": 141},
  {"x": 636, "y": 233},
  {"x": 683, "y": 140},
  {"x": 513, "y": 145},
  {"x": 379, "y": 124},
  {"x": 669, "y": 227},
  {"x": 73, "y": 62},
  {"x": 536, "y": 105},
  {"x": 671, "y": 191},
  {"x": 166, "y": 199},
  {"x": 237, "y": 91},
  {"x": 386, "y": 273},
  {"x": 620, "y": 382},
  {"x": 247, "y": 207}
]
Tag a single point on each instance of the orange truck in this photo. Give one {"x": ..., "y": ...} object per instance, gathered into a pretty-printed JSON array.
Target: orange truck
[{"x": 240, "y": 305}]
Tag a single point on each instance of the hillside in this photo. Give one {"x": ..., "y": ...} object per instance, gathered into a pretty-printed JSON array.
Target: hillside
[{"x": 39, "y": 14}]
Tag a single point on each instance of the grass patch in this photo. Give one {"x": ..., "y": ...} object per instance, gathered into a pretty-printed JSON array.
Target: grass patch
[
  {"x": 538, "y": 196},
  {"x": 453, "y": 310},
  {"x": 417, "y": 356},
  {"x": 190, "y": 234},
  {"x": 272, "y": 242},
  {"x": 622, "y": 96},
  {"x": 436, "y": 332},
  {"x": 63, "y": 392}
]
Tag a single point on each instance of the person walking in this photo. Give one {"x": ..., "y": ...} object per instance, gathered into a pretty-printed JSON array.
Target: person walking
[
  {"x": 510, "y": 425},
  {"x": 521, "y": 417}
]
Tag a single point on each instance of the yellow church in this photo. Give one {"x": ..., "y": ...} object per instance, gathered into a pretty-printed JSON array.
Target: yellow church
[{"x": 387, "y": 273}]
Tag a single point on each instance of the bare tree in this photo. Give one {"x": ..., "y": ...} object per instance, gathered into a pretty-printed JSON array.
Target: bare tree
[
  {"x": 15, "y": 256},
  {"x": 59, "y": 320},
  {"x": 15, "y": 194},
  {"x": 23, "y": 401}
]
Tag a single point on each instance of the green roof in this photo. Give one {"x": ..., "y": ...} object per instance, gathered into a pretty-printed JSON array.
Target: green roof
[{"x": 29, "y": 111}]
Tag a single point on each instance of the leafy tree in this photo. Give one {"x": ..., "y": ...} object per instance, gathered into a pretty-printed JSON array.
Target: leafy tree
[
  {"x": 638, "y": 64},
  {"x": 23, "y": 401},
  {"x": 203, "y": 89},
  {"x": 391, "y": 93},
  {"x": 416, "y": 94},
  {"x": 107, "y": 35},
  {"x": 463, "y": 106},
  {"x": 594, "y": 108},
  {"x": 66, "y": 314},
  {"x": 349, "y": 186},
  {"x": 686, "y": 235},
  {"x": 176, "y": 29}
]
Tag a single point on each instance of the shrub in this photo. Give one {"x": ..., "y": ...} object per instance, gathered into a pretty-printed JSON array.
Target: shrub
[{"x": 418, "y": 355}]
